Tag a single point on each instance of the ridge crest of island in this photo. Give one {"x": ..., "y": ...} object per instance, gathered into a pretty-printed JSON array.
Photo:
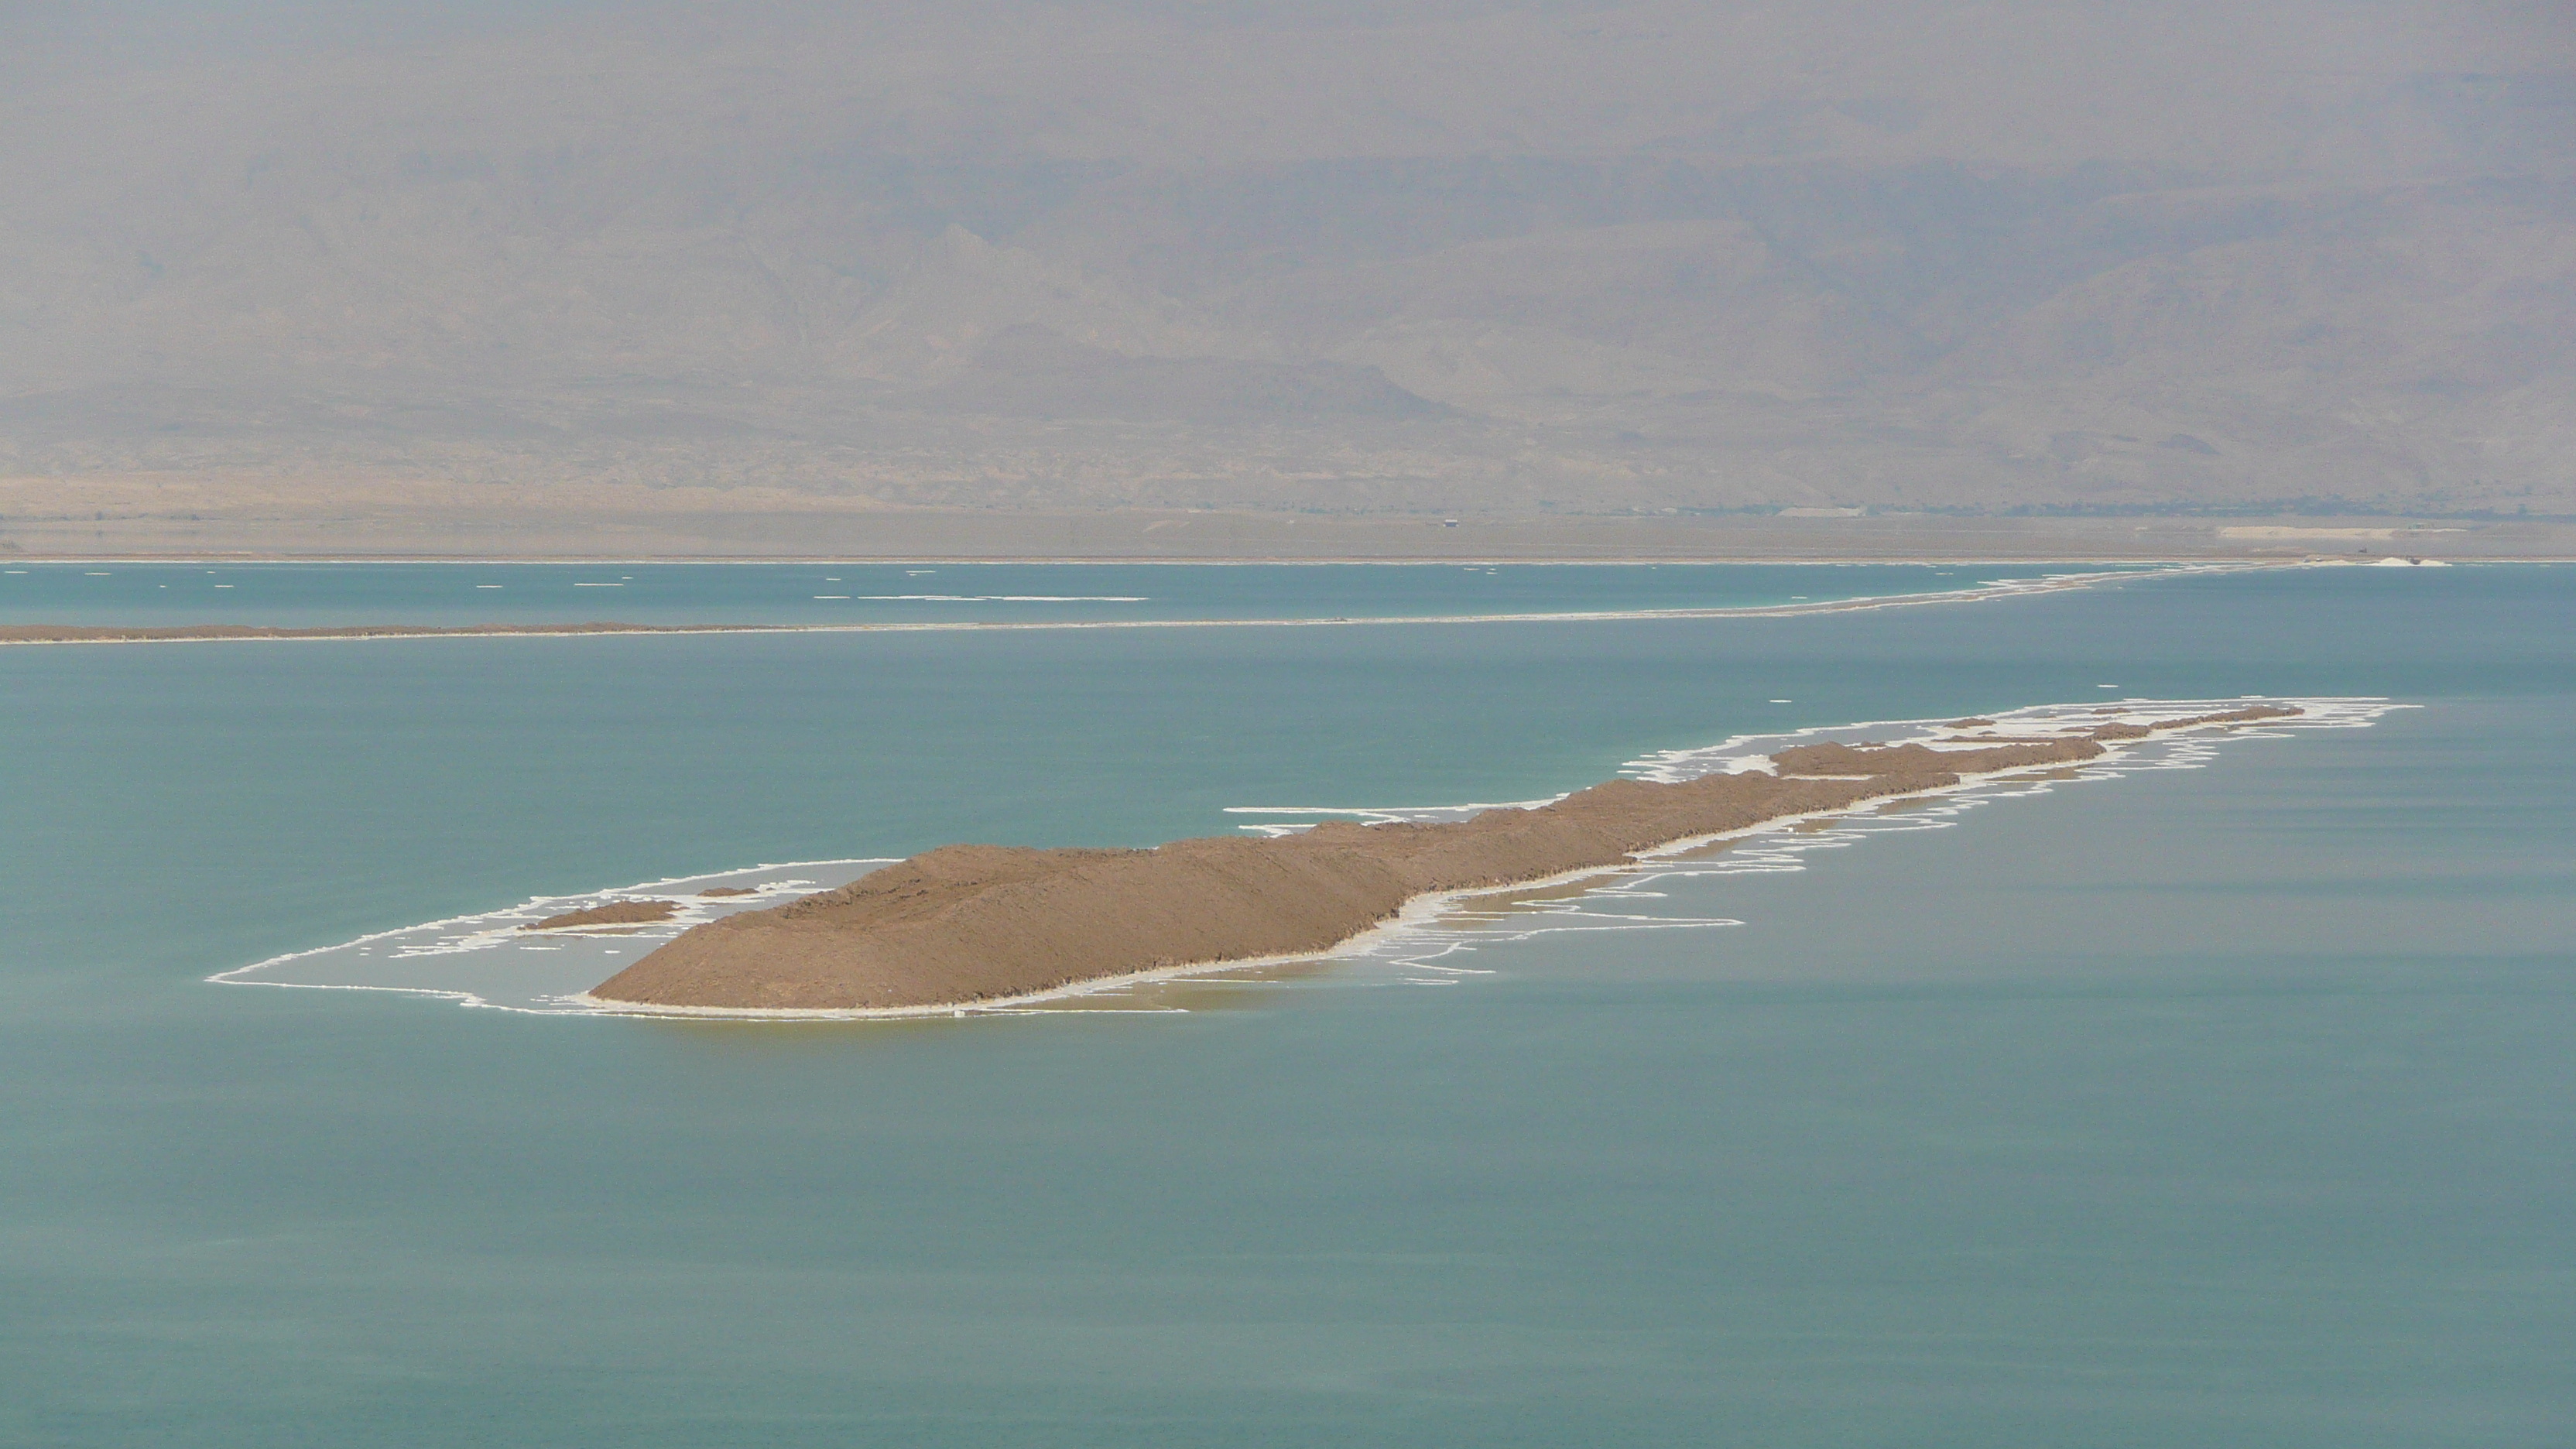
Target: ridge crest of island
[{"x": 965, "y": 925}]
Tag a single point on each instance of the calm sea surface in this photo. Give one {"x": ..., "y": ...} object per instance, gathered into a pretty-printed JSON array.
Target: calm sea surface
[
  {"x": 2228, "y": 1106},
  {"x": 456, "y": 593}
]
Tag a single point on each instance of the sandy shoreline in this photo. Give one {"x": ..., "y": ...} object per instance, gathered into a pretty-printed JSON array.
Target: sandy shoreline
[{"x": 967, "y": 928}]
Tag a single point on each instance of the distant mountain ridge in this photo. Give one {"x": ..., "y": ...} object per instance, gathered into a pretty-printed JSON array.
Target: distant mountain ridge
[
  {"x": 1430, "y": 256},
  {"x": 1029, "y": 371}
]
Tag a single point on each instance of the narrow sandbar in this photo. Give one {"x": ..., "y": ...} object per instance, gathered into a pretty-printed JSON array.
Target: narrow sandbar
[{"x": 615, "y": 913}]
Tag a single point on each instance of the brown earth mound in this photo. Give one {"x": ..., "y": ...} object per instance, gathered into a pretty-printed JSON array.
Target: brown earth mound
[
  {"x": 727, "y": 891},
  {"x": 615, "y": 913},
  {"x": 969, "y": 923},
  {"x": 1876, "y": 759}
]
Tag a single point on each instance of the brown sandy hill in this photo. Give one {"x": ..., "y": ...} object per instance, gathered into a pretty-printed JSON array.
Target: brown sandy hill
[
  {"x": 615, "y": 913},
  {"x": 969, "y": 923}
]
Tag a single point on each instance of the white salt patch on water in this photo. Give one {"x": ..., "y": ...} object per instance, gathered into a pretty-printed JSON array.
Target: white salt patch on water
[{"x": 489, "y": 960}]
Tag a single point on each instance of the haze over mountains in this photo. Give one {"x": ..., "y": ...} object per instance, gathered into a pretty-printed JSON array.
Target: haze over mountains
[{"x": 1432, "y": 256}]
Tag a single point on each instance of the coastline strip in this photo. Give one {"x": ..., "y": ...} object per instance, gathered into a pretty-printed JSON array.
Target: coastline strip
[{"x": 36, "y": 634}]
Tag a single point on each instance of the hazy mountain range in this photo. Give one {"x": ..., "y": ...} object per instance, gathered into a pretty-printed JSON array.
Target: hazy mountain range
[{"x": 1426, "y": 256}]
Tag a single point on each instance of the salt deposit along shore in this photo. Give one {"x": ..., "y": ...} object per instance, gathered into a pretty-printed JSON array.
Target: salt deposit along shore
[{"x": 972, "y": 925}]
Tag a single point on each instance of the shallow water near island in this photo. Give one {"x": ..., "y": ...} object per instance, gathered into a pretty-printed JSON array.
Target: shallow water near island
[{"x": 2222, "y": 1106}]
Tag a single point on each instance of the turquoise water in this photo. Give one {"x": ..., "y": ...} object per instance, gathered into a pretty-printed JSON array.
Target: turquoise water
[
  {"x": 310, "y": 594},
  {"x": 2224, "y": 1106}
]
